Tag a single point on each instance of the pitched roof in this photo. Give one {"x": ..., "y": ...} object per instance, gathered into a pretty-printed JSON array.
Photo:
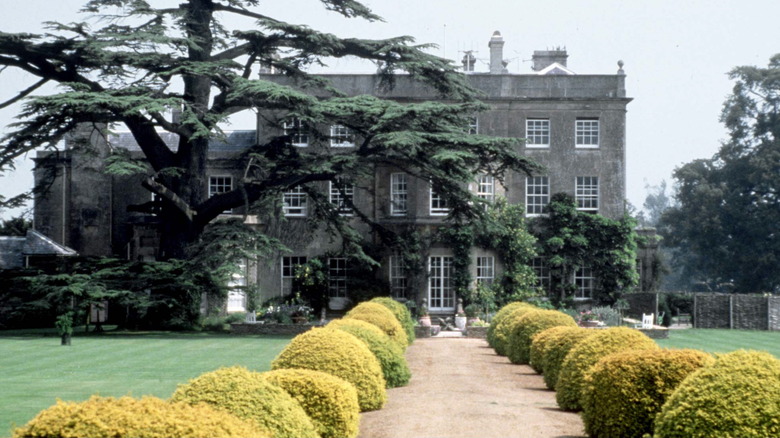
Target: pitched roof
[
  {"x": 11, "y": 252},
  {"x": 38, "y": 244},
  {"x": 233, "y": 141},
  {"x": 555, "y": 69}
]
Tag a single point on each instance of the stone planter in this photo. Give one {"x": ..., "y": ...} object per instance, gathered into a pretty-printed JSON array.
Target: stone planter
[
  {"x": 590, "y": 324},
  {"x": 460, "y": 322},
  {"x": 425, "y": 321},
  {"x": 476, "y": 332}
]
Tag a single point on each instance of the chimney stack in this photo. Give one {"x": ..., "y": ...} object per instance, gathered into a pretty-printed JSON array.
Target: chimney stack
[
  {"x": 468, "y": 61},
  {"x": 544, "y": 58},
  {"x": 496, "y": 46}
]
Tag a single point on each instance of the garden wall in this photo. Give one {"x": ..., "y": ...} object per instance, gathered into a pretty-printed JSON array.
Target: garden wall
[{"x": 745, "y": 312}]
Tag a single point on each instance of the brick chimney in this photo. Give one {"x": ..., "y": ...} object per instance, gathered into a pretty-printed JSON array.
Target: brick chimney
[
  {"x": 543, "y": 58},
  {"x": 496, "y": 46}
]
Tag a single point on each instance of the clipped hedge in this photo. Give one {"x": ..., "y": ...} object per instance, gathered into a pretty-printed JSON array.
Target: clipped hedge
[
  {"x": 738, "y": 396},
  {"x": 341, "y": 354},
  {"x": 395, "y": 369},
  {"x": 246, "y": 394},
  {"x": 586, "y": 353},
  {"x": 519, "y": 341},
  {"x": 498, "y": 317},
  {"x": 381, "y": 317},
  {"x": 539, "y": 343},
  {"x": 108, "y": 417},
  {"x": 559, "y": 343},
  {"x": 504, "y": 328},
  {"x": 624, "y": 391},
  {"x": 402, "y": 314},
  {"x": 331, "y": 402}
]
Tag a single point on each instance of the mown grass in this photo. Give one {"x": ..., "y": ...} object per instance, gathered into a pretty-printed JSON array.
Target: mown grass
[
  {"x": 723, "y": 341},
  {"x": 35, "y": 370}
]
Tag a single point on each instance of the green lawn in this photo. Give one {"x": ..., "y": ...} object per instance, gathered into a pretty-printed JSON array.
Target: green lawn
[
  {"x": 723, "y": 341},
  {"x": 36, "y": 370}
]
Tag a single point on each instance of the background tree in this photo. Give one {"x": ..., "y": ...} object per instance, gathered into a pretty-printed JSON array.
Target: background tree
[
  {"x": 141, "y": 61},
  {"x": 726, "y": 223},
  {"x": 16, "y": 226},
  {"x": 570, "y": 239}
]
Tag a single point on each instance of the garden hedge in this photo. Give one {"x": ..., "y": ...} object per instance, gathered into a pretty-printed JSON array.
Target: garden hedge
[
  {"x": 504, "y": 327},
  {"x": 331, "y": 402},
  {"x": 498, "y": 317},
  {"x": 246, "y": 394},
  {"x": 738, "y": 396},
  {"x": 401, "y": 313},
  {"x": 586, "y": 353},
  {"x": 558, "y": 346},
  {"x": 381, "y": 317},
  {"x": 519, "y": 341},
  {"x": 395, "y": 369},
  {"x": 539, "y": 343},
  {"x": 126, "y": 417},
  {"x": 341, "y": 354},
  {"x": 624, "y": 391}
]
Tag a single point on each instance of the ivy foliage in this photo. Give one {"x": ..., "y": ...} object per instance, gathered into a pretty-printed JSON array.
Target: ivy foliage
[{"x": 571, "y": 239}]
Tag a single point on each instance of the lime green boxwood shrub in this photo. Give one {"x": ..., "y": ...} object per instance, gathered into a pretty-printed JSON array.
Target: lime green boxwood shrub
[
  {"x": 559, "y": 343},
  {"x": 331, "y": 402},
  {"x": 395, "y": 369},
  {"x": 126, "y": 417},
  {"x": 341, "y": 354},
  {"x": 519, "y": 341},
  {"x": 624, "y": 391},
  {"x": 586, "y": 353},
  {"x": 738, "y": 396},
  {"x": 246, "y": 394},
  {"x": 401, "y": 313},
  {"x": 539, "y": 343},
  {"x": 498, "y": 317},
  {"x": 504, "y": 327},
  {"x": 381, "y": 317}
]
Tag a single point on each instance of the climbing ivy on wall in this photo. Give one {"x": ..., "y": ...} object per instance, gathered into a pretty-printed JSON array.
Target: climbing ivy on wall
[{"x": 570, "y": 239}]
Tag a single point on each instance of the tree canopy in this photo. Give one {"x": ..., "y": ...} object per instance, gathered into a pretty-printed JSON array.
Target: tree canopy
[
  {"x": 135, "y": 61},
  {"x": 726, "y": 220}
]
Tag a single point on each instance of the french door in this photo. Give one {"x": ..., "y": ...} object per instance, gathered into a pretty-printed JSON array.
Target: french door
[{"x": 441, "y": 294}]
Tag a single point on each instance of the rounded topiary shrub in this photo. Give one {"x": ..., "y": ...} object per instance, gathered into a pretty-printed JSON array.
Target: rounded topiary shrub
[
  {"x": 122, "y": 417},
  {"x": 559, "y": 342},
  {"x": 738, "y": 396},
  {"x": 519, "y": 341},
  {"x": 341, "y": 354},
  {"x": 624, "y": 391},
  {"x": 331, "y": 402},
  {"x": 504, "y": 328},
  {"x": 381, "y": 317},
  {"x": 402, "y": 314},
  {"x": 246, "y": 394},
  {"x": 395, "y": 369},
  {"x": 586, "y": 353},
  {"x": 498, "y": 317}
]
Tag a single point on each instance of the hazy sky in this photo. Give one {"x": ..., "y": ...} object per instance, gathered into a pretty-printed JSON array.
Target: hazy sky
[{"x": 676, "y": 52}]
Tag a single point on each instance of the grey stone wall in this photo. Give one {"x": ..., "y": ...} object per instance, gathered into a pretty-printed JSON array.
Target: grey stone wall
[{"x": 269, "y": 329}]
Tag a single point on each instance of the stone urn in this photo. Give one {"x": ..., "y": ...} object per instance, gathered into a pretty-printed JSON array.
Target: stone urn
[
  {"x": 460, "y": 316},
  {"x": 425, "y": 321}
]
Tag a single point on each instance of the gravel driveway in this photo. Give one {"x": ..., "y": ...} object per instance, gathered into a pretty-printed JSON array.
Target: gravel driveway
[{"x": 461, "y": 388}]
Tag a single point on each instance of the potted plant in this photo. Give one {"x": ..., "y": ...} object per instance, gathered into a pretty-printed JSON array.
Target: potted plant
[
  {"x": 425, "y": 318},
  {"x": 460, "y": 316},
  {"x": 64, "y": 326},
  {"x": 589, "y": 319}
]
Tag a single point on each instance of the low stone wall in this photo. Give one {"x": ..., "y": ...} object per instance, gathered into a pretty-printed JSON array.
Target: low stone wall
[
  {"x": 656, "y": 332},
  {"x": 476, "y": 332},
  {"x": 269, "y": 329},
  {"x": 422, "y": 331}
]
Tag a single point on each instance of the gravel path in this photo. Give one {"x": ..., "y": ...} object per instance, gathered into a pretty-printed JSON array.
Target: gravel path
[{"x": 461, "y": 388}]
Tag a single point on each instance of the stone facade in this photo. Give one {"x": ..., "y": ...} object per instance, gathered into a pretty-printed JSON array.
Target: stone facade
[{"x": 575, "y": 125}]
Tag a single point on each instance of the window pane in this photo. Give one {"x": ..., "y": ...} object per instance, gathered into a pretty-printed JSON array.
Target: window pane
[
  {"x": 398, "y": 194},
  {"x": 587, "y": 193},
  {"x": 298, "y": 132},
  {"x": 220, "y": 184},
  {"x": 337, "y": 277},
  {"x": 341, "y": 195},
  {"x": 587, "y": 132},
  {"x": 439, "y": 205},
  {"x": 398, "y": 280},
  {"x": 537, "y": 132},
  {"x": 341, "y": 137},
  {"x": 294, "y": 202},
  {"x": 486, "y": 187},
  {"x": 537, "y": 195}
]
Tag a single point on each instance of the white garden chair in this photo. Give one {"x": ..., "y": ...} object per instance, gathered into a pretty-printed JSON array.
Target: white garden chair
[{"x": 647, "y": 321}]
